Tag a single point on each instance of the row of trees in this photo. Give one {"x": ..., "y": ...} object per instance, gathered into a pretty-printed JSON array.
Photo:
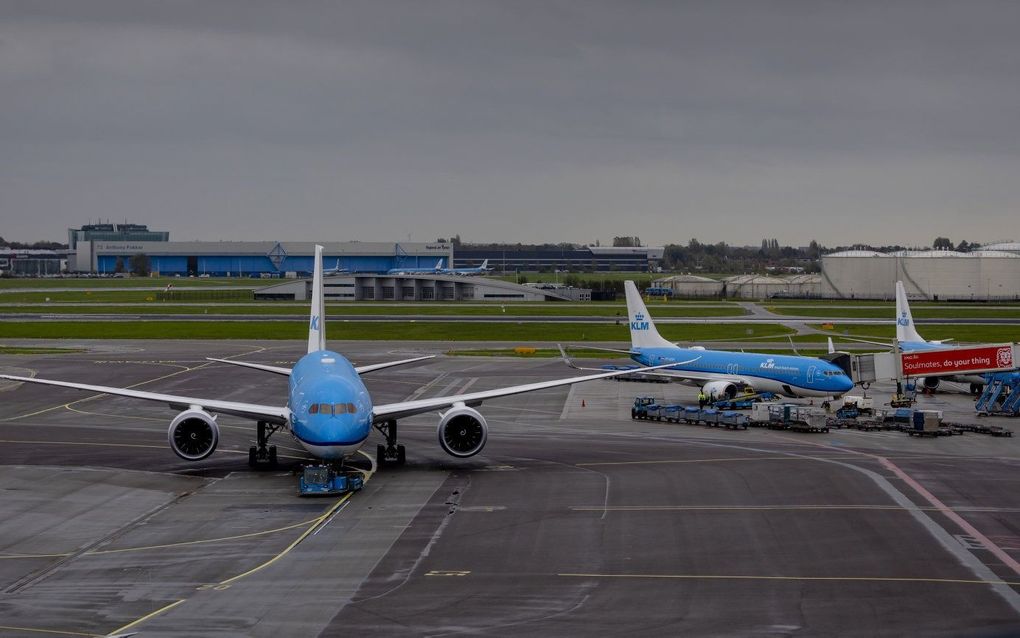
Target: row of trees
[{"x": 38, "y": 245}]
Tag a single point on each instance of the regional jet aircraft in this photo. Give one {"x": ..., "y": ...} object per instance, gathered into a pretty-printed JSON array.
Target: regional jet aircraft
[
  {"x": 722, "y": 373},
  {"x": 329, "y": 410}
]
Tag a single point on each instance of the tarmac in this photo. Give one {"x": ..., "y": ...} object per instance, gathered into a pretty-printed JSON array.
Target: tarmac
[{"x": 574, "y": 519}]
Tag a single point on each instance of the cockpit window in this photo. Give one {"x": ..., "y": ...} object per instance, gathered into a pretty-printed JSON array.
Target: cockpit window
[
  {"x": 313, "y": 409},
  {"x": 339, "y": 408},
  {"x": 351, "y": 408},
  {"x": 325, "y": 408}
]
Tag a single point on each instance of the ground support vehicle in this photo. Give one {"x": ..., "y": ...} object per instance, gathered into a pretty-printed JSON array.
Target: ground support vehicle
[
  {"x": 1001, "y": 396},
  {"x": 640, "y": 409},
  {"x": 981, "y": 428},
  {"x": 744, "y": 402},
  {"x": 733, "y": 420},
  {"x": 791, "y": 416},
  {"x": 929, "y": 423},
  {"x": 324, "y": 480}
]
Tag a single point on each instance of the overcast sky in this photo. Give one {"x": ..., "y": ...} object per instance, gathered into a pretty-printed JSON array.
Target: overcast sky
[{"x": 877, "y": 122}]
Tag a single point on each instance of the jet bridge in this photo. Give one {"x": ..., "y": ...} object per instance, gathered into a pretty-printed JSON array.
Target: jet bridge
[{"x": 865, "y": 369}]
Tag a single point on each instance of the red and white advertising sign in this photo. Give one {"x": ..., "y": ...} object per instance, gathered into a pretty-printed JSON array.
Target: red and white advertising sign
[{"x": 996, "y": 358}]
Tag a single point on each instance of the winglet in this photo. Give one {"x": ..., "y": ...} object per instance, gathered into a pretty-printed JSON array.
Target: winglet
[
  {"x": 905, "y": 330},
  {"x": 317, "y": 322},
  {"x": 642, "y": 329}
]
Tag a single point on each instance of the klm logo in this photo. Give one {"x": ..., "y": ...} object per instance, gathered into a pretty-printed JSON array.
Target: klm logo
[
  {"x": 315, "y": 323},
  {"x": 639, "y": 322},
  {"x": 768, "y": 364},
  {"x": 903, "y": 321}
]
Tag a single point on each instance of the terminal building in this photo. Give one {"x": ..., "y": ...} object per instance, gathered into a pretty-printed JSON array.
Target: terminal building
[
  {"x": 114, "y": 232},
  {"x": 423, "y": 287}
]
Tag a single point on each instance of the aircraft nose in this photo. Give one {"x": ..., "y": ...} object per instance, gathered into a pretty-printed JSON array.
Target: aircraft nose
[{"x": 846, "y": 384}]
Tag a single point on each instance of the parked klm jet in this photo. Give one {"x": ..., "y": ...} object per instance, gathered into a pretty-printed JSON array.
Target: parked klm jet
[
  {"x": 467, "y": 272},
  {"x": 329, "y": 410},
  {"x": 909, "y": 340},
  {"x": 724, "y": 373},
  {"x": 435, "y": 270}
]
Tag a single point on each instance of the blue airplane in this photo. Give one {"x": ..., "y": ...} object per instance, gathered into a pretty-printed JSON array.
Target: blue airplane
[
  {"x": 328, "y": 410},
  {"x": 722, "y": 373},
  {"x": 435, "y": 270}
]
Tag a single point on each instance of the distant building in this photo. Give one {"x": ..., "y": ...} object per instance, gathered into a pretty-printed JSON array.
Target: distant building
[
  {"x": 691, "y": 286},
  {"x": 992, "y": 272},
  {"x": 32, "y": 262},
  {"x": 114, "y": 232},
  {"x": 550, "y": 258}
]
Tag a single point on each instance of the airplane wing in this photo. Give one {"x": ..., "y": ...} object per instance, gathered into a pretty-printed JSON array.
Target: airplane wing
[
  {"x": 286, "y": 371},
  {"x": 677, "y": 375},
  {"x": 409, "y": 408},
  {"x": 256, "y": 366},
  {"x": 389, "y": 364},
  {"x": 273, "y": 414}
]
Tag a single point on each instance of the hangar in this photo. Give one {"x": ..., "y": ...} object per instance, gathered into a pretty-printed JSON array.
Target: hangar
[
  {"x": 984, "y": 274},
  {"x": 257, "y": 258}
]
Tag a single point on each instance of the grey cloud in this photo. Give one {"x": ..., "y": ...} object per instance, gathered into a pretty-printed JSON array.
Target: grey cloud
[{"x": 514, "y": 120}]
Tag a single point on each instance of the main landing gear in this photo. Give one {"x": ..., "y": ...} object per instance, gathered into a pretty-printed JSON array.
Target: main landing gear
[
  {"x": 392, "y": 452},
  {"x": 262, "y": 454}
]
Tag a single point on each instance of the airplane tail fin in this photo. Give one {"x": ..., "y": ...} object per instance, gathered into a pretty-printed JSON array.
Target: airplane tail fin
[
  {"x": 317, "y": 323},
  {"x": 642, "y": 329},
  {"x": 832, "y": 348},
  {"x": 905, "y": 330},
  {"x": 485, "y": 264}
]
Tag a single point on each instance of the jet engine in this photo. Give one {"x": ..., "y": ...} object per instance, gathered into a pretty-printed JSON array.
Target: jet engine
[
  {"x": 462, "y": 432},
  {"x": 193, "y": 434},
  {"x": 930, "y": 383},
  {"x": 720, "y": 389}
]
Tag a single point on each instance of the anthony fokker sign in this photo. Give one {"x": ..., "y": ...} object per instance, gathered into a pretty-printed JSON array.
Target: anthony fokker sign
[{"x": 996, "y": 358}]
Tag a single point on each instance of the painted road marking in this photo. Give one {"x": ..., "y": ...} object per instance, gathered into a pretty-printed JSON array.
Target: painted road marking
[
  {"x": 866, "y": 579},
  {"x": 446, "y": 572}
]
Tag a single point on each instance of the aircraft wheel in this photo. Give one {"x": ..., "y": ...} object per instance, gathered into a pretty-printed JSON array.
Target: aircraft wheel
[
  {"x": 401, "y": 456},
  {"x": 380, "y": 456},
  {"x": 272, "y": 456},
  {"x": 252, "y": 456}
]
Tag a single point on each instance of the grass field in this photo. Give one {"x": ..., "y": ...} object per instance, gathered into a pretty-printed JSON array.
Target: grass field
[
  {"x": 889, "y": 311},
  {"x": 463, "y": 309},
  {"x": 37, "y": 350},
  {"x": 963, "y": 333},
  {"x": 388, "y": 331},
  {"x": 133, "y": 282},
  {"x": 82, "y": 296}
]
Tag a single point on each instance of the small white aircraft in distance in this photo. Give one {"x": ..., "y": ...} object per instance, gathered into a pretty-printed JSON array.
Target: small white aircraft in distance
[
  {"x": 467, "y": 272},
  {"x": 328, "y": 409}
]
